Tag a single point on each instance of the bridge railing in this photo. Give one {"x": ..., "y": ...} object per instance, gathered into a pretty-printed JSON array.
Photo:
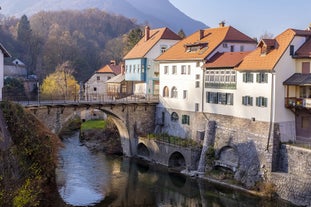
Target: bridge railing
[{"x": 99, "y": 99}]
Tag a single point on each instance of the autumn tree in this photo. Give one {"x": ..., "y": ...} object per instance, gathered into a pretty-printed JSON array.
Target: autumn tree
[{"x": 61, "y": 84}]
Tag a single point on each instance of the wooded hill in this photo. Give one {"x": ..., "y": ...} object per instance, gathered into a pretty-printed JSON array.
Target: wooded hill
[{"x": 88, "y": 38}]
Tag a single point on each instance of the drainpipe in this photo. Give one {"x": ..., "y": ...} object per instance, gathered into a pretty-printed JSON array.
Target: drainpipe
[{"x": 271, "y": 126}]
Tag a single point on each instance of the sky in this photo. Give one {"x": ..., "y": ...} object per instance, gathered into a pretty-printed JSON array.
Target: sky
[{"x": 252, "y": 17}]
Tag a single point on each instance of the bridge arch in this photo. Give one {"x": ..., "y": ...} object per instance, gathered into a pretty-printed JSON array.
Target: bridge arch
[
  {"x": 228, "y": 157},
  {"x": 143, "y": 151},
  {"x": 177, "y": 161}
]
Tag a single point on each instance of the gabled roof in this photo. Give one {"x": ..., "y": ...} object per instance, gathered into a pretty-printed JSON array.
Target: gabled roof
[
  {"x": 304, "y": 51},
  {"x": 206, "y": 41},
  {"x": 225, "y": 60},
  {"x": 143, "y": 46},
  {"x": 258, "y": 61},
  {"x": 298, "y": 79},
  {"x": 4, "y": 51},
  {"x": 116, "y": 79},
  {"x": 116, "y": 69}
]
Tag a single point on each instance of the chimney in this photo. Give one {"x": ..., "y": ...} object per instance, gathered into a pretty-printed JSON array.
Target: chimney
[
  {"x": 122, "y": 69},
  {"x": 201, "y": 34},
  {"x": 112, "y": 62},
  {"x": 222, "y": 24},
  {"x": 147, "y": 33}
]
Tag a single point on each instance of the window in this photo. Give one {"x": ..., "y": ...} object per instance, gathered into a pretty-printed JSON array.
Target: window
[
  {"x": 94, "y": 89},
  {"x": 130, "y": 70},
  {"x": 242, "y": 48},
  {"x": 174, "y": 69},
  {"x": 219, "y": 98},
  {"x": 189, "y": 69},
  {"x": 98, "y": 77},
  {"x": 247, "y": 100},
  {"x": 166, "y": 69},
  {"x": 174, "y": 93},
  {"x": 134, "y": 68},
  {"x": 183, "y": 70},
  {"x": 262, "y": 78},
  {"x": 185, "y": 119},
  {"x": 248, "y": 77},
  {"x": 197, "y": 84},
  {"x": 174, "y": 116},
  {"x": 196, "y": 107},
  {"x": 185, "y": 94},
  {"x": 232, "y": 48},
  {"x": 126, "y": 68},
  {"x": 305, "y": 68},
  {"x": 165, "y": 92},
  {"x": 291, "y": 50},
  {"x": 261, "y": 101},
  {"x": 138, "y": 68},
  {"x": 225, "y": 45},
  {"x": 197, "y": 76},
  {"x": 163, "y": 48}
]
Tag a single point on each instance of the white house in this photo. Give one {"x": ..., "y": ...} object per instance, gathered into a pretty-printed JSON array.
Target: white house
[
  {"x": 3, "y": 54},
  {"x": 140, "y": 67},
  {"x": 96, "y": 86},
  {"x": 182, "y": 77}
]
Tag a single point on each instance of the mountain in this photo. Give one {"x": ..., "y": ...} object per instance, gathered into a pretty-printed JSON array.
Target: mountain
[{"x": 157, "y": 13}]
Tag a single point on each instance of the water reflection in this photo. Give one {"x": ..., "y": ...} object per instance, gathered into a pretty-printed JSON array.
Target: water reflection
[{"x": 87, "y": 179}]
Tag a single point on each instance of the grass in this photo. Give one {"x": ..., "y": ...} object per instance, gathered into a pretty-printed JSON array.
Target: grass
[{"x": 94, "y": 124}]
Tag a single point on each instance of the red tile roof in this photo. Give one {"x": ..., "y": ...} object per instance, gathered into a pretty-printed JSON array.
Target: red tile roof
[
  {"x": 225, "y": 60},
  {"x": 116, "y": 69},
  {"x": 258, "y": 61},
  {"x": 305, "y": 50},
  {"x": 143, "y": 46},
  {"x": 206, "y": 40}
]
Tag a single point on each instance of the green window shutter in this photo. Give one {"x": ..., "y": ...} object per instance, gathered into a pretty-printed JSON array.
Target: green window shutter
[
  {"x": 266, "y": 78},
  {"x": 265, "y": 102},
  {"x": 250, "y": 100},
  {"x": 258, "y": 77},
  {"x": 257, "y": 101},
  {"x": 251, "y": 77},
  {"x": 244, "y": 77}
]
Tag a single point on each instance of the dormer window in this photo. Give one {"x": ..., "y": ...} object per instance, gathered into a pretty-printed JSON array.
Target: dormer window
[
  {"x": 163, "y": 48},
  {"x": 267, "y": 45},
  {"x": 195, "y": 46}
]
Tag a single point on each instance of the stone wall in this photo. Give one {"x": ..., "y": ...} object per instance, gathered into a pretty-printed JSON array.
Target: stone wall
[{"x": 293, "y": 182}]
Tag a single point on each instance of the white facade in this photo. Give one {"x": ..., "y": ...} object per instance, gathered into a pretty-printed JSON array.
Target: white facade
[{"x": 96, "y": 86}]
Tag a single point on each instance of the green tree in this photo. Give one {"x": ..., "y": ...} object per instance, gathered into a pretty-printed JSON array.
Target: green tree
[
  {"x": 23, "y": 30},
  {"x": 61, "y": 84},
  {"x": 132, "y": 38},
  {"x": 181, "y": 34}
]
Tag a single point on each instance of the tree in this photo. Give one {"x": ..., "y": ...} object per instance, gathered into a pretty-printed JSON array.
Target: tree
[
  {"x": 132, "y": 38},
  {"x": 61, "y": 84},
  {"x": 23, "y": 30},
  {"x": 181, "y": 34}
]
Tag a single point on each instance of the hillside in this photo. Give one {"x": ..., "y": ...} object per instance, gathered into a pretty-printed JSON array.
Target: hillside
[{"x": 158, "y": 13}]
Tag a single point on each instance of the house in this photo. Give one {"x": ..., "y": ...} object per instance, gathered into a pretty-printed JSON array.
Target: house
[
  {"x": 95, "y": 86},
  {"x": 140, "y": 67},
  {"x": 16, "y": 68},
  {"x": 3, "y": 54},
  {"x": 182, "y": 77},
  {"x": 117, "y": 87}
]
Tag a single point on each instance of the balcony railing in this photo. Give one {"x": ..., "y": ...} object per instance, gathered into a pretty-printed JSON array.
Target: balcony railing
[{"x": 293, "y": 102}]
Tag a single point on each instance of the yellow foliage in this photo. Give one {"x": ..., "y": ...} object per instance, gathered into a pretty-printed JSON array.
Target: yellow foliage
[{"x": 60, "y": 85}]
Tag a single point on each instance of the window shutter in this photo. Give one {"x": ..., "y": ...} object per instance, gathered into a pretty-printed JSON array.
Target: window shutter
[
  {"x": 265, "y": 102},
  {"x": 258, "y": 77},
  {"x": 251, "y": 77},
  {"x": 266, "y": 78},
  {"x": 250, "y": 100},
  {"x": 243, "y": 100},
  {"x": 257, "y": 101},
  {"x": 244, "y": 77}
]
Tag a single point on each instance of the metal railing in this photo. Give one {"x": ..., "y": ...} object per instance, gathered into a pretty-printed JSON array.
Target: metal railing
[{"x": 99, "y": 99}]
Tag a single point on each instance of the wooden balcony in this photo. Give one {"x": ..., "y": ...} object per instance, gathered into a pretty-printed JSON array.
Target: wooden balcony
[{"x": 295, "y": 104}]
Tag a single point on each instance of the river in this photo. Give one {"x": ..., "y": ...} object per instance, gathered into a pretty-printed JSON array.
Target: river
[{"x": 86, "y": 178}]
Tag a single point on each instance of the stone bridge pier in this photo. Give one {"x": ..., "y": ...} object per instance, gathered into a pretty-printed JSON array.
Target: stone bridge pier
[{"x": 131, "y": 119}]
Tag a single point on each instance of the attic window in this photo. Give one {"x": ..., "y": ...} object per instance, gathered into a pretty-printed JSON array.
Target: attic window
[
  {"x": 195, "y": 46},
  {"x": 267, "y": 45}
]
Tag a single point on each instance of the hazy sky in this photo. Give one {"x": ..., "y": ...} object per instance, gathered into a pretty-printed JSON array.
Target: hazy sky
[{"x": 252, "y": 17}]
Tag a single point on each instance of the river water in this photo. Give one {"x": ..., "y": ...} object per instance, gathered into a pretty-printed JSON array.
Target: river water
[{"x": 93, "y": 179}]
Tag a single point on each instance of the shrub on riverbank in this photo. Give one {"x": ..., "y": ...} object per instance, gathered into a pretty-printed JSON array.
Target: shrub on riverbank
[{"x": 28, "y": 165}]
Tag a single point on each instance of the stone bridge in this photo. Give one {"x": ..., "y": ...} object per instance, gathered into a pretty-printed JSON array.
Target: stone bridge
[
  {"x": 173, "y": 156},
  {"x": 131, "y": 118}
]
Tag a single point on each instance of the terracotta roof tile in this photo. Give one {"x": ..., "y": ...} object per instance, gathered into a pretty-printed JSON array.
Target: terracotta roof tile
[
  {"x": 116, "y": 69},
  {"x": 143, "y": 47},
  {"x": 225, "y": 60},
  {"x": 206, "y": 40},
  {"x": 258, "y": 61}
]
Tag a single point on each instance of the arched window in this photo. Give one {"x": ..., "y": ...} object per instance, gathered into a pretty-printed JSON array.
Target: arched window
[
  {"x": 174, "y": 93},
  {"x": 165, "y": 92}
]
